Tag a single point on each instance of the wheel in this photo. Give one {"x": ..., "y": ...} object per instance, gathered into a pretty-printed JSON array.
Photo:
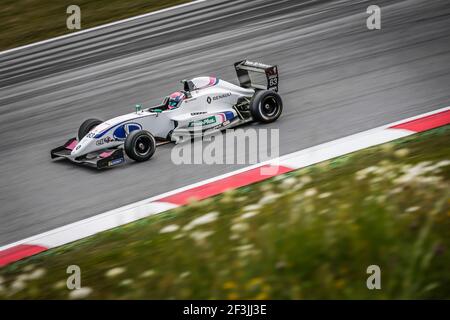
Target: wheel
[
  {"x": 266, "y": 106},
  {"x": 87, "y": 126},
  {"x": 140, "y": 145}
]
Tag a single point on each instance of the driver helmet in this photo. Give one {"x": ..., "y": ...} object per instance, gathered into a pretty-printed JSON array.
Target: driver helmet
[{"x": 175, "y": 100}]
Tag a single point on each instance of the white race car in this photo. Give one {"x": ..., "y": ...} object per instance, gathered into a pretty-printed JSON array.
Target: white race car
[{"x": 204, "y": 106}]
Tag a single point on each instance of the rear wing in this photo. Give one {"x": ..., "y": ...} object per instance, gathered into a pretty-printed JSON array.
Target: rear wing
[{"x": 248, "y": 71}]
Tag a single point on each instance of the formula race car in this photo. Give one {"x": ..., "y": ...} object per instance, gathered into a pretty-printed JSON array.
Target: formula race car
[{"x": 204, "y": 106}]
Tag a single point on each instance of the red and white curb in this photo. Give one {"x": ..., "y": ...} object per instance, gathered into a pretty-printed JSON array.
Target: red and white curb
[{"x": 217, "y": 185}]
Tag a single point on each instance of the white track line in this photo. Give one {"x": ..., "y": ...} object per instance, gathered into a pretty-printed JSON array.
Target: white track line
[{"x": 100, "y": 27}]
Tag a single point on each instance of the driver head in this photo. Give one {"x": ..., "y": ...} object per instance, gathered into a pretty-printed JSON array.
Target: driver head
[{"x": 175, "y": 99}]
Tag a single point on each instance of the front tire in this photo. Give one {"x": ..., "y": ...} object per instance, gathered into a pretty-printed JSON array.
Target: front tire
[
  {"x": 140, "y": 145},
  {"x": 87, "y": 126},
  {"x": 266, "y": 106}
]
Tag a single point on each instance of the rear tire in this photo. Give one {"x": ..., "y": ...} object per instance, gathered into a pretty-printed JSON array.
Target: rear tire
[
  {"x": 87, "y": 126},
  {"x": 266, "y": 106},
  {"x": 140, "y": 145}
]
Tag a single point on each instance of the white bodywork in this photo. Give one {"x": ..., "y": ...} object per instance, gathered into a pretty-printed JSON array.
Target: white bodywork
[{"x": 210, "y": 107}]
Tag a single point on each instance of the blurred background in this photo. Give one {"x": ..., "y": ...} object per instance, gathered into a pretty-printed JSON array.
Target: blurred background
[{"x": 336, "y": 78}]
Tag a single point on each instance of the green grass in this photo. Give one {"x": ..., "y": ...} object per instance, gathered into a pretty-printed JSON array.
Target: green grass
[
  {"x": 308, "y": 234},
  {"x": 26, "y": 21}
]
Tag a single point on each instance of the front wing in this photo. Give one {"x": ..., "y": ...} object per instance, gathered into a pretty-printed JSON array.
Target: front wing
[{"x": 101, "y": 159}]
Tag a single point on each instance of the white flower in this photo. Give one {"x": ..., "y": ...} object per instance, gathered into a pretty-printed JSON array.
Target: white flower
[
  {"x": 36, "y": 274},
  {"x": 17, "y": 285},
  {"x": 148, "y": 273},
  {"x": 239, "y": 227},
  {"x": 401, "y": 153},
  {"x": 310, "y": 192},
  {"x": 178, "y": 236},
  {"x": 252, "y": 207},
  {"x": 324, "y": 195},
  {"x": 376, "y": 180},
  {"x": 246, "y": 250},
  {"x": 443, "y": 163},
  {"x": 438, "y": 165},
  {"x": 416, "y": 172},
  {"x": 126, "y": 282},
  {"x": 114, "y": 272},
  {"x": 169, "y": 228},
  {"x": 248, "y": 215},
  {"x": 362, "y": 174},
  {"x": 269, "y": 198},
  {"x": 80, "y": 293},
  {"x": 305, "y": 179},
  {"x": 397, "y": 190},
  {"x": 244, "y": 247},
  {"x": 199, "y": 236},
  {"x": 207, "y": 218},
  {"x": 289, "y": 182},
  {"x": 228, "y": 196},
  {"x": 22, "y": 277},
  {"x": 387, "y": 147}
]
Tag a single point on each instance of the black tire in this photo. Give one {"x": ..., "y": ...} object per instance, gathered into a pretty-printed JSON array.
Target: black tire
[
  {"x": 266, "y": 106},
  {"x": 140, "y": 145},
  {"x": 87, "y": 126}
]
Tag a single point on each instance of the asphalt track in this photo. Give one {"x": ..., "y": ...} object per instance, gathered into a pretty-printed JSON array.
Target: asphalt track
[{"x": 337, "y": 78}]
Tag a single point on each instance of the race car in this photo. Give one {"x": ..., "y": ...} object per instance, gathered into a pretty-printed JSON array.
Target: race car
[{"x": 204, "y": 106}]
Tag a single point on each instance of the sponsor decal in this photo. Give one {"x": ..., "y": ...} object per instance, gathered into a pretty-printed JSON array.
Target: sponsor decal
[
  {"x": 222, "y": 96},
  {"x": 116, "y": 162},
  {"x": 256, "y": 64},
  {"x": 223, "y": 124},
  {"x": 122, "y": 131},
  {"x": 197, "y": 113},
  {"x": 203, "y": 122},
  {"x": 215, "y": 98},
  {"x": 104, "y": 140}
]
